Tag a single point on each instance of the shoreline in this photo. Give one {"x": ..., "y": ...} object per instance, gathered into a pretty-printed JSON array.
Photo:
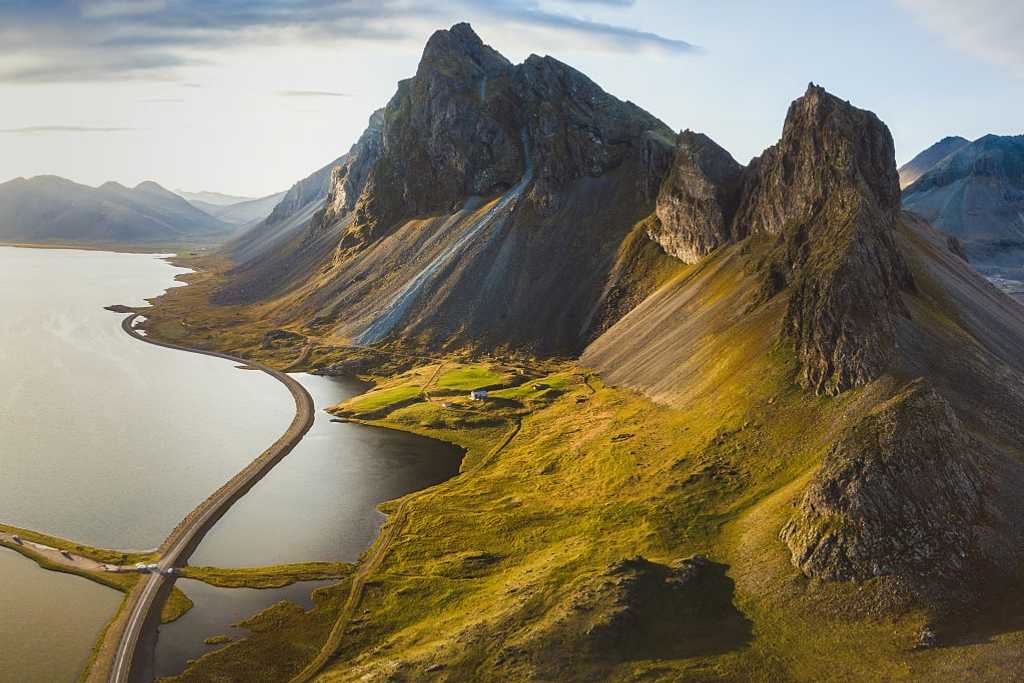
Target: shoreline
[
  {"x": 118, "y": 647},
  {"x": 172, "y": 249}
]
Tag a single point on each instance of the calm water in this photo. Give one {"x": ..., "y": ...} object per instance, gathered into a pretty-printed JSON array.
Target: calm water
[
  {"x": 105, "y": 439},
  {"x": 48, "y": 621},
  {"x": 102, "y": 438},
  {"x": 320, "y": 502},
  {"x": 216, "y": 612},
  {"x": 110, "y": 441}
]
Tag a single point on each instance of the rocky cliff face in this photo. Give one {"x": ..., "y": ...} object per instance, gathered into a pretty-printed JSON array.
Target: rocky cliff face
[
  {"x": 900, "y": 495},
  {"x": 469, "y": 123},
  {"x": 487, "y": 203},
  {"x": 831, "y": 153},
  {"x": 349, "y": 177},
  {"x": 698, "y": 199},
  {"x": 828, "y": 196}
]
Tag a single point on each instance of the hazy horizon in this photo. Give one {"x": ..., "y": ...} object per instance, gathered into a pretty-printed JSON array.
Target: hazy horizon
[{"x": 247, "y": 98}]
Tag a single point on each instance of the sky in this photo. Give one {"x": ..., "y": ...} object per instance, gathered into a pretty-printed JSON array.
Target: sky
[{"x": 247, "y": 97}]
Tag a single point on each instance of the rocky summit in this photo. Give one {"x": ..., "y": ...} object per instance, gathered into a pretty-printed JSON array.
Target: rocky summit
[
  {"x": 481, "y": 186},
  {"x": 828, "y": 194}
]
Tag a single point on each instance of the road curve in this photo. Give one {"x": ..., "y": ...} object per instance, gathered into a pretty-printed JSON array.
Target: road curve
[{"x": 176, "y": 549}]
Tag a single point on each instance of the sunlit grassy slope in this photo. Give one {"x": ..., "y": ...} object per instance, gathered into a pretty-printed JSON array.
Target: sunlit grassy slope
[{"x": 489, "y": 568}]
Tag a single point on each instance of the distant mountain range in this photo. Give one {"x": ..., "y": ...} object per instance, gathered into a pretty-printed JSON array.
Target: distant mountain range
[
  {"x": 232, "y": 209},
  {"x": 213, "y": 198},
  {"x": 923, "y": 162},
  {"x": 52, "y": 209},
  {"x": 975, "y": 192}
]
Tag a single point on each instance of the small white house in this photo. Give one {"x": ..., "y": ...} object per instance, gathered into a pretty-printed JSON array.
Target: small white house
[{"x": 478, "y": 394}]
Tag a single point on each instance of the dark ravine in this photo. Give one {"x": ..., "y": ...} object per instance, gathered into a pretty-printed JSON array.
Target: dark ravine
[{"x": 142, "y": 604}]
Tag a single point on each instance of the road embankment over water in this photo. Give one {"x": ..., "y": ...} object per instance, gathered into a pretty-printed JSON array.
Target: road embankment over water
[{"x": 116, "y": 656}]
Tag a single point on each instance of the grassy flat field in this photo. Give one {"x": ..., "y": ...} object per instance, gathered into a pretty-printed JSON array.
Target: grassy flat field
[{"x": 470, "y": 377}]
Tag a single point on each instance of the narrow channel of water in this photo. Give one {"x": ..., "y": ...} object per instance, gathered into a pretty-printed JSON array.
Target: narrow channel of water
[{"x": 216, "y": 612}]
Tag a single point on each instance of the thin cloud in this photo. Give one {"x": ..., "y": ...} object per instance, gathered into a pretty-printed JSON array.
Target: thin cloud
[
  {"x": 311, "y": 93},
  {"x": 162, "y": 100},
  {"x": 529, "y": 15},
  {"x": 98, "y": 40},
  {"x": 35, "y": 130},
  {"x": 988, "y": 29}
]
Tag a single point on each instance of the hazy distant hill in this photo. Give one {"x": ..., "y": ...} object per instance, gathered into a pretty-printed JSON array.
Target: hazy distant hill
[
  {"x": 241, "y": 212},
  {"x": 53, "y": 209},
  {"x": 923, "y": 162},
  {"x": 977, "y": 194},
  {"x": 213, "y": 198}
]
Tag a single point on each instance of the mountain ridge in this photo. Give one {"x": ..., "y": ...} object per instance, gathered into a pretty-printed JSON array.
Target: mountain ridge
[{"x": 54, "y": 209}]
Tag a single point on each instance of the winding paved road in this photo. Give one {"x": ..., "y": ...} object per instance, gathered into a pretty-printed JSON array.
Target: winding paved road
[{"x": 142, "y": 605}]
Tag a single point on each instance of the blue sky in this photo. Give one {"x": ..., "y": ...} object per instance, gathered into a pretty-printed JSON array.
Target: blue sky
[{"x": 248, "y": 96}]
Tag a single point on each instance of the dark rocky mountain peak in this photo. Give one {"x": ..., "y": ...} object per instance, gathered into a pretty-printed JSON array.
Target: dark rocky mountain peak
[
  {"x": 827, "y": 198},
  {"x": 830, "y": 152},
  {"x": 472, "y": 124},
  {"x": 458, "y": 53},
  {"x": 828, "y": 195}
]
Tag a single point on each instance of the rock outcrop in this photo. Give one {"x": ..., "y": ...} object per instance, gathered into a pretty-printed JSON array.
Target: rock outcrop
[
  {"x": 832, "y": 155},
  {"x": 900, "y": 495},
  {"x": 638, "y": 609},
  {"x": 349, "y": 177},
  {"x": 698, "y": 199},
  {"x": 828, "y": 196}
]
